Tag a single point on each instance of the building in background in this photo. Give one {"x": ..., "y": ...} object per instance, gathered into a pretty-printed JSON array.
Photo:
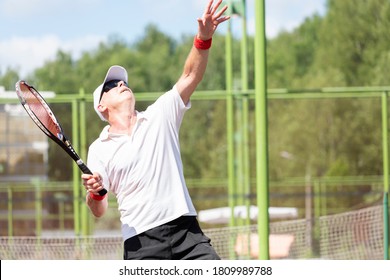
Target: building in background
[{"x": 23, "y": 147}]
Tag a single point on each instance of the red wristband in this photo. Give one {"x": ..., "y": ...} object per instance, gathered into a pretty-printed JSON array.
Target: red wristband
[
  {"x": 97, "y": 197},
  {"x": 202, "y": 45}
]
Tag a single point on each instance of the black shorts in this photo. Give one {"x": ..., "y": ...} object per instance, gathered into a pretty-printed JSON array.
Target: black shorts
[{"x": 180, "y": 239}]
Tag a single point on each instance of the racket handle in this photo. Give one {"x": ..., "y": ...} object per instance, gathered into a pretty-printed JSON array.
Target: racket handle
[
  {"x": 86, "y": 170},
  {"x": 102, "y": 192}
]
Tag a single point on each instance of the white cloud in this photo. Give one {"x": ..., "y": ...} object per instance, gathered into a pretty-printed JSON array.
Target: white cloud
[
  {"x": 287, "y": 15},
  {"x": 27, "y": 53},
  {"x": 77, "y": 46},
  {"x": 23, "y": 8}
]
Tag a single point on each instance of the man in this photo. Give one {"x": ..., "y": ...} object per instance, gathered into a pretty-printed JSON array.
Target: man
[{"x": 137, "y": 157}]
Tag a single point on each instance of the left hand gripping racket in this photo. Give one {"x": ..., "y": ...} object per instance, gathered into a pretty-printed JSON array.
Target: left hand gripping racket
[{"x": 40, "y": 112}]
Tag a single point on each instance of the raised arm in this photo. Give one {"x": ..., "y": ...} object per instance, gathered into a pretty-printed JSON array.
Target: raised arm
[{"x": 196, "y": 62}]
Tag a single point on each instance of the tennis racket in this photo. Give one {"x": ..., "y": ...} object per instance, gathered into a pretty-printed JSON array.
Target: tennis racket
[{"x": 44, "y": 118}]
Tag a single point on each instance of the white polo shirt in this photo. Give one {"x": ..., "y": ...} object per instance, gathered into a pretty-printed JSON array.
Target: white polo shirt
[{"x": 144, "y": 170}]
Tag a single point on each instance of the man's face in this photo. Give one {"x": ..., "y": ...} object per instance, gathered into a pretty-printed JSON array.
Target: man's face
[{"x": 117, "y": 95}]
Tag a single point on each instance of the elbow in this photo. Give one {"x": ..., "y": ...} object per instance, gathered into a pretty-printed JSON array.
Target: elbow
[{"x": 98, "y": 214}]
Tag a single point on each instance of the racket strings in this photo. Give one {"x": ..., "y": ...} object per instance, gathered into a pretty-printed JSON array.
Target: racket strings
[{"x": 41, "y": 111}]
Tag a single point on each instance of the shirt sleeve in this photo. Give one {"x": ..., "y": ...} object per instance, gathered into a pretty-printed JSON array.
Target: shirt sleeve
[{"x": 173, "y": 106}]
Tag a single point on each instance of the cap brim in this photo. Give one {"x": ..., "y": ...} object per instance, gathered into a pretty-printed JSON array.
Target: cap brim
[{"x": 116, "y": 73}]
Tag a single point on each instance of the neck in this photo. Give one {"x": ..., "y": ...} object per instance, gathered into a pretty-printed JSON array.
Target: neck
[{"x": 123, "y": 124}]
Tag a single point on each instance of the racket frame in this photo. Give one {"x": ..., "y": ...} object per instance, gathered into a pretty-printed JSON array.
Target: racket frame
[{"x": 60, "y": 139}]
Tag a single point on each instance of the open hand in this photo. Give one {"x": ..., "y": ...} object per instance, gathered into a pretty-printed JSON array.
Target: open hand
[{"x": 211, "y": 19}]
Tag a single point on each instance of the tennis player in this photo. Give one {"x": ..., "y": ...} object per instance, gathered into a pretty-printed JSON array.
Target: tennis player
[{"x": 137, "y": 158}]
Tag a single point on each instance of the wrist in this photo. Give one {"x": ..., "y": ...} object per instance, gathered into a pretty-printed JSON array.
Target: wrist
[
  {"x": 97, "y": 197},
  {"x": 202, "y": 44}
]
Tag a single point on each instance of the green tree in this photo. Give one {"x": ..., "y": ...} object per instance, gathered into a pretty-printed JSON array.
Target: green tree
[
  {"x": 153, "y": 67},
  {"x": 9, "y": 79},
  {"x": 291, "y": 55},
  {"x": 353, "y": 38}
]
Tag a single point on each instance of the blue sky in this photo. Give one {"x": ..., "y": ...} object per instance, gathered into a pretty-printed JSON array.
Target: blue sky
[{"x": 31, "y": 31}]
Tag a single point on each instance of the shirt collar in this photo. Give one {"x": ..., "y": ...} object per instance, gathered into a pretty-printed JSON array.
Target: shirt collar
[{"x": 106, "y": 135}]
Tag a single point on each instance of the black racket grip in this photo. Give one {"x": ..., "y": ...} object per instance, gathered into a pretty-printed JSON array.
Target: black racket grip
[{"x": 86, "y": 170}]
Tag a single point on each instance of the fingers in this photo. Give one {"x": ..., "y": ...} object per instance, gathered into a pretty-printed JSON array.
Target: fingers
[
  {"x": 219, "y": 14},
  {"x": 86, "y": 176},
  {"x": 208, "y": 7},
  {"x": 211, "y": 15},
  {"x": 214, "y": 9},
  {"x": 222, "y": 19},
  {"x": 92, "y": 183}
]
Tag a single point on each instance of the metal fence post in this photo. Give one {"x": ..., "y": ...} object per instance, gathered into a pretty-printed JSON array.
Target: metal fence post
[{"x": 385, "y": 144}]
